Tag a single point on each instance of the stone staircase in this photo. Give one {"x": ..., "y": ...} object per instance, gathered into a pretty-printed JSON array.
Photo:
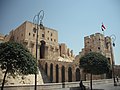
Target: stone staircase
[{"x": 44, "y": 76}]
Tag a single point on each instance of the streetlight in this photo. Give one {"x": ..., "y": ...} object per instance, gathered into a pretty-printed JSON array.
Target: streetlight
[
  {"x": 113, "y": 38},
  {"x": 37, "y": 21}
]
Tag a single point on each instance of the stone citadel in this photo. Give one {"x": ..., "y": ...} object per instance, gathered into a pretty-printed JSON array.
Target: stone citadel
[{"x": 56, "y": 60}]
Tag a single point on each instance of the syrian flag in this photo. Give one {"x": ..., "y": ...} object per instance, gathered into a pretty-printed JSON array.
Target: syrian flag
[{"x": 103, "y": 27}]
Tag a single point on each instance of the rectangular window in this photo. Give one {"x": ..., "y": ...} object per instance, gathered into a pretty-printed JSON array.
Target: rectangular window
[
  {"x": 33, "y": 35},
  {"x": 29, "y": 34},
  {"x": 98, "y": 48},
  {"x": 43, "y": 35},
  {"x": 21, "y": 34},
  {"x": 51, "y": 34}
]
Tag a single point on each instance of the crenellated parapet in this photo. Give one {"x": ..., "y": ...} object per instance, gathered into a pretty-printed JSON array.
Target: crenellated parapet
[
  {"x": 98, "y": 43},
  {"x": 65, "y": 52}
]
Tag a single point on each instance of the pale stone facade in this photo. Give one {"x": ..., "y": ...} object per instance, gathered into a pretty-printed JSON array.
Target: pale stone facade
[
  {"x": 58, "y": 61},
  {"x": 95, "y": 43},
  {"x": 48, "y": 47},
  {"x": 98, "y": 43},
  {"x": 26, "y": 34},
  {"x": 1, "y": 38}
]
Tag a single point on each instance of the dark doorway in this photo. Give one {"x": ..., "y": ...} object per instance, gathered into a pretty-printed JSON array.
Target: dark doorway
[
  {"x": 57, "y": 73},
  {"x": 42, "y": 49},
  {"x": 77, "y": 74},
  {"x": 109, "y": 74},
  {"x": 63, "y": 74},
  {"x": 51, "y": 72},
  {"x": 109, "y": 60},
  {"x": 69, "y": 74},
  {"x": 46, "y": 66}
]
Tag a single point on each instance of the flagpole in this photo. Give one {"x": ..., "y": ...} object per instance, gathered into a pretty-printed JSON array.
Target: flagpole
[{"x": 103, "y": 33}]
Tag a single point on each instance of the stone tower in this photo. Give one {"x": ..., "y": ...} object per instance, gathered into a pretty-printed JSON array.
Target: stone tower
[
  {"x": 25, "y": 34},
  {"x": 98, "y": 43}
]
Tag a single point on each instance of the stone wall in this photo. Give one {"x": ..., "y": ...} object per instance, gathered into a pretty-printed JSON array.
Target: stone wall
[
  {"x": 1, "y": 38},
  {"x": 67, "y": 69},
  {"x": 26, "y": 35},
  {"x": 117, "y": 70},
  {"x": 57, "y": 56},
  {"x": 21, "y": 79},
  {"x": 98, "y": 43}
]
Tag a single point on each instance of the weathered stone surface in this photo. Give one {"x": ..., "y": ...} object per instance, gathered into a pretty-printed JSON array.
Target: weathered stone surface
[
  {"x": 57, "y": 60},
  {"x": 21, "y": 79}
]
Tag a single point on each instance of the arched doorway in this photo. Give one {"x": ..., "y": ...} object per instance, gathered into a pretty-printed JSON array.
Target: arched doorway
[
  {"x": 57, "y": 73},
  {"x": 51, "y": 72},
  {"x": 69, "y": 74},
  {"x": 46, "y": 66},
  {"x": 63, "y": 74},
  {"x": 42, "y": 49},
  {"x": 77, "y": 74}
]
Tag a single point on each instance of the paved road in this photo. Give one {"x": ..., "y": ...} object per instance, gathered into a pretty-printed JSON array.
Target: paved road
[
  {"x": 97, "y": 85},
  {"x": 108, "y": 86}
]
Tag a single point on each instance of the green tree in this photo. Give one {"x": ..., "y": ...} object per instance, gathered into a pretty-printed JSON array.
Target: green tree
[
  {"x": 94, "y": 63},
  {"x": 16, "y": 59}
]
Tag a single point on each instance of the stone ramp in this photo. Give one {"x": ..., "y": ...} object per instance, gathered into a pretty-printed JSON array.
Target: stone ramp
[
  {"x": 44, "y": 76},
  {"x": 25, "y": 79}
]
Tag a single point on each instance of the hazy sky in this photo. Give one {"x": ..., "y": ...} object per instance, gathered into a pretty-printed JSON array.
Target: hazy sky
[{"x": 73, "y": 19}]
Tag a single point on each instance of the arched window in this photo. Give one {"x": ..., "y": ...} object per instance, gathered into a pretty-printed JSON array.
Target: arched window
[
  {"x": 42, "y": 50},
  {"x": 63, "y": 74},
  {"x": 51, "y": 72},
  {"x": 46, "y": 66},
  {"x": 77, "y": 74},
  {"x": 69, "y": 74},
  {"x": 57, "y": 73}
]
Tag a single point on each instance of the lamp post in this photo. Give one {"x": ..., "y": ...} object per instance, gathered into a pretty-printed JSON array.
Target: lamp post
[
  {"x": 113, "y": 38},
  {"x": 37, "y": 20}
]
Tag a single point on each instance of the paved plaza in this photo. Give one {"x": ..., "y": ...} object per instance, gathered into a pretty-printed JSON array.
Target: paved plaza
[
  {"x": 96, "y": 87},
  {"x": 104, "y": 86},
  {"x": 107, "y": 86}
]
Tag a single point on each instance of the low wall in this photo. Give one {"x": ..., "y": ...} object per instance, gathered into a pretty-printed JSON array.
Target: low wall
[{"x": 55, "y": 86}]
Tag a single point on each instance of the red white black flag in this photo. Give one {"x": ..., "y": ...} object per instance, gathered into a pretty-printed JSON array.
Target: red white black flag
[{"x": 103, "y": 27}]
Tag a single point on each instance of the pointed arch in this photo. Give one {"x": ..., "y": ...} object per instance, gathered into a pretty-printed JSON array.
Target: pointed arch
[
  {"x": 51, "y": 72},
  {"x": 42, "y": 49},
  {"x": 57, "y": 73},
  {"x": 46, "y": 68},
  {"x": 63, "y": 74},
  {"x": 77, "y": 74},
  {"x": 69, "y": 74}
]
